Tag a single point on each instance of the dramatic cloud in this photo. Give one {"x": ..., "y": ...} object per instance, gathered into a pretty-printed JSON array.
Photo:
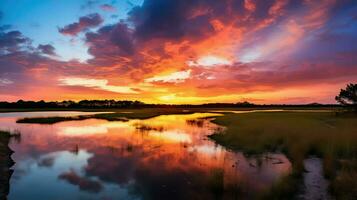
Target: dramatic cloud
[
  {"x": 118, "y": 36},
  {"x": 197, "y": 52},
  {"x": 85, "y": 22},
  {"x": 175, "y": 77},
  {"x": 209, "y": 61},
  {"x": 99, "y": 84}
]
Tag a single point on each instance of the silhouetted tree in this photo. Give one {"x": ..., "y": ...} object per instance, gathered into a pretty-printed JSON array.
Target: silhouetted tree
[{"x": 348, "y": 96}]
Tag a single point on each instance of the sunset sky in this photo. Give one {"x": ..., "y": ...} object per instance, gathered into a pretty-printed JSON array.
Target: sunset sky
[{"x": 177, "y": 51}]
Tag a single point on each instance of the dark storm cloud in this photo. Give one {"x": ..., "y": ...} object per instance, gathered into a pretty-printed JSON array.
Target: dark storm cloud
[
  {"x": 177, "y": 19},
  {"x": 169, "y": 19},
  {"x": 47, "y": 49},
  {"x": 119, "y": 35},
  {"x": 85, "y": 22}
]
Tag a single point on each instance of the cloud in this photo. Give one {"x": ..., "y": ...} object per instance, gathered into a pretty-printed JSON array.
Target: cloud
[
  {"x": 173, "y": 19},
  {"x": 210, "y": 61},
  {"x": 5, "y": 81},
  {"x": 114, "y": 40},
  {"x": 107, "y": 7},
  {"x": 99, "y": 84},
  {"x": 249, "y": 5},
  {"x": 85, "y": 22},
  {"x": 175, "y": 77},
  {"x": 47, "y": 49},
  {"x": 12, "y": 41}
]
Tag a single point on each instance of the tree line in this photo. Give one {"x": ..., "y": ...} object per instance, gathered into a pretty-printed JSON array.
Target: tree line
[
  {"x": 72, "y": 104},
  {"x": 346, "y": 98},
  {"x": 137, "y": 104}
]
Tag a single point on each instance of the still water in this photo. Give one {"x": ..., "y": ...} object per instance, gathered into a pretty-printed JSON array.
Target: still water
[{"x": 165, "y": 157}]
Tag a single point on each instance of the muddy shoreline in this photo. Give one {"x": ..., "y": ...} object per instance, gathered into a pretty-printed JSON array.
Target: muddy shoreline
[{"x": 6, "y": 163}]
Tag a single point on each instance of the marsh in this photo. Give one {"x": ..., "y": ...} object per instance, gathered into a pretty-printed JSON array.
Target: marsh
[{"x": 214, "y": 154}]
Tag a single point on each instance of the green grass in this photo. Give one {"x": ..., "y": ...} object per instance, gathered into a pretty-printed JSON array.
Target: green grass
[{"x": 298, "y": 134}]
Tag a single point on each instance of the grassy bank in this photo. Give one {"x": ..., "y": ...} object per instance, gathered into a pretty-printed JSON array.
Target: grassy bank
[
  {"x": 297, "y": 134},
  {"x": 143, "y": 113},
  {"x": 116, "y": 115}
]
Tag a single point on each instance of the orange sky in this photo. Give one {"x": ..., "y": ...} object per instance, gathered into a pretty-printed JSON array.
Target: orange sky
[{"x": 275, "y": 51}]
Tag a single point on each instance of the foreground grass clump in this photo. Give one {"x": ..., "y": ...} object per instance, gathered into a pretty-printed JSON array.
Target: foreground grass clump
[
  {"x": 298, "y": 134},
  {"x": 344, "y": 184}
]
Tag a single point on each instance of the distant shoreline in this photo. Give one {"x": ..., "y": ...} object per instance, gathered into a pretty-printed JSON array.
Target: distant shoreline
[{"x": 96, "y": 109}]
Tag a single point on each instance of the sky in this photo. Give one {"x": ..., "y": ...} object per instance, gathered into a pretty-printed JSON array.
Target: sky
[{"x": 178, "y": 51}]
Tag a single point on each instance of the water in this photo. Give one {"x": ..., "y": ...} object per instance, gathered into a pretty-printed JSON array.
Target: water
[
  {"x": 315, "y": 184},
  {"x": 166, "y": 157}
]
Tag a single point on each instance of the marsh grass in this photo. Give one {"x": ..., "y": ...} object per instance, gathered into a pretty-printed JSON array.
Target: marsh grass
[
  {"x": 298, "y": 134},
  {"x": 123, "y": 115},
  {"x": 344, "y": 184}
]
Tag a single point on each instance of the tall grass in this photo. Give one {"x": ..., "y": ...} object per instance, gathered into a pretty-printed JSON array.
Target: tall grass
[{"x": 297, "y": 134}]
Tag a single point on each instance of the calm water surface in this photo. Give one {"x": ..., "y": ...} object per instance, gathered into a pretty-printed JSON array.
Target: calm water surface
[{"x": 166, "y": 157}]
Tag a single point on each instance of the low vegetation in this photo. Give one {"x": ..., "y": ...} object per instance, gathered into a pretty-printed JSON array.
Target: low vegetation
[
  {"x": 121, "y": 115},
  {"x": 144, "y": 113},
  {"x": 299, "y": 135}
]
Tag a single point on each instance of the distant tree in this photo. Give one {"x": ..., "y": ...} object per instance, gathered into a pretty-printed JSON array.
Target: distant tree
[{"x": 348, "y": 96}]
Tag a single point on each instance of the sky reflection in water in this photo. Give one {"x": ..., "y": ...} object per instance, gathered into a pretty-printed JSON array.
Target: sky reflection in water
[{"x": 166, "y": 157}]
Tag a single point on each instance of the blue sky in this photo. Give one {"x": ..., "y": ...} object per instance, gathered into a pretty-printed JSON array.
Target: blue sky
[{"x": 40, "y": 20}]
